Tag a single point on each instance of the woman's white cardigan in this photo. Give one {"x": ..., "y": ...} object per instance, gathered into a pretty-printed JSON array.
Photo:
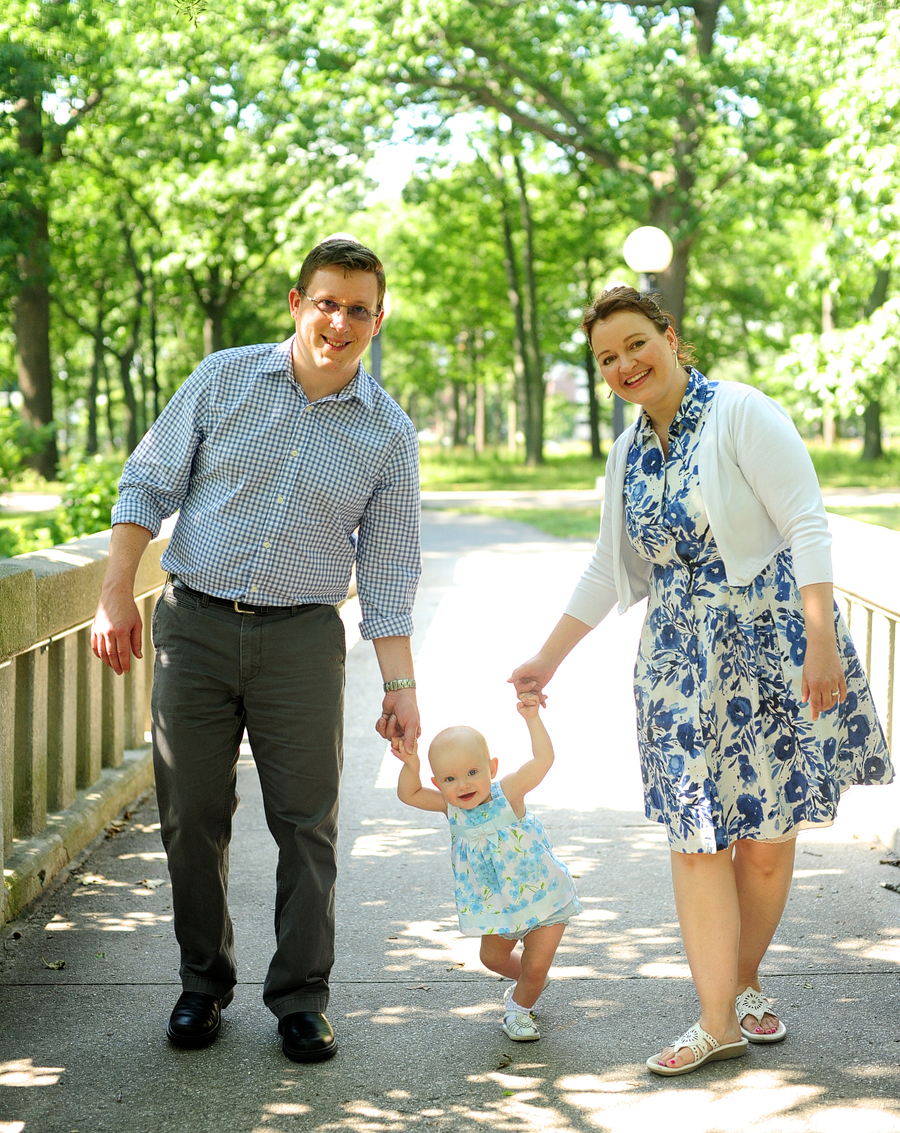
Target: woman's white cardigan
[{"x": 761, "y": 495}]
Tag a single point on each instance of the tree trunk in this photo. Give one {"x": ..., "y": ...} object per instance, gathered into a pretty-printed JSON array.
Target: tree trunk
[
  {"x": 213, "y": 328},
  {"x": 110, "y": 419},
  {"x": 154, "y": 345},
  {"x": 32, "y": 310},
  {"x": 872, "y": 449},
  {"x": 879, "y": 291},
  {"x": 706, "y": 14},
  {"x": 96, "y": 365},
  {"x": 534, "y": 370},
  {"x": 131, "y": 411},
  {"x": 829, "y": 428},
  {"x": 590, "y": 366},
  {"x": 459, "y": 415},
  {"x": 514, "y": 293}
]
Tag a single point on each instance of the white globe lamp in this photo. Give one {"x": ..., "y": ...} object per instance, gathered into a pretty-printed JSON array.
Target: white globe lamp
[{"x": 647, "y": 250}]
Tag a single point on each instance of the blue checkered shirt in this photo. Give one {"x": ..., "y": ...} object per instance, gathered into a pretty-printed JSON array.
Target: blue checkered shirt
[{"x": 279, "y": 496}]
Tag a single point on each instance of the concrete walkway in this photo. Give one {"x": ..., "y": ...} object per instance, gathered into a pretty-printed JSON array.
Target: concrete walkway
[
  {"x": 593, "y": 497},
  {"x": 82, "y": 1046}
]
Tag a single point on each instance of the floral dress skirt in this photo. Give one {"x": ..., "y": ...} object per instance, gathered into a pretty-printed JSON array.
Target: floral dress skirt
[{"x": 727, "y": 749}]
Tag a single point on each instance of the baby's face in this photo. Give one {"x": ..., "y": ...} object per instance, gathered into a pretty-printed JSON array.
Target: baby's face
[{"x": 463, "y": 775}]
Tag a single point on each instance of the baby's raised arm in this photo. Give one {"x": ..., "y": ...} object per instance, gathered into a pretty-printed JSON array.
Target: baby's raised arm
[
  {"x": 517, "y": 784},
  {"x": 409, "y": 785}
]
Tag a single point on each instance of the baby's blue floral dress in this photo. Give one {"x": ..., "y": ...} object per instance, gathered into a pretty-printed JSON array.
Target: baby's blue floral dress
[
  {"x": 508, "y": 879},
  {"x": 727, "y": 750}
]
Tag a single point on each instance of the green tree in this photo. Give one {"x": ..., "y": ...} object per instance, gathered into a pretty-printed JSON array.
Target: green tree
[
  {"x": 53, "y": 73},
  {"x": 676, "y": 104}
]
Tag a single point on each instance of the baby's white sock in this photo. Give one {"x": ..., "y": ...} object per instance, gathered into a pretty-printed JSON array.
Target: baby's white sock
[{"x": 511, "y": 1005}]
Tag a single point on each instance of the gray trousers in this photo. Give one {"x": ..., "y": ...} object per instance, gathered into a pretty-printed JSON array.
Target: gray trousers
[{"x": 280, "y": 676}]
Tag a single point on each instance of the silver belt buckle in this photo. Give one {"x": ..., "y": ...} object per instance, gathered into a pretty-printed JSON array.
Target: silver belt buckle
[{"x": 240, "y": 609}]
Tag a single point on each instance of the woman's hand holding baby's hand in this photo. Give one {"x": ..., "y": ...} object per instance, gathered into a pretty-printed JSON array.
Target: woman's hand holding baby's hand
[
  {"x": 530, "y": 679},
  {"x": 529, "y": 705}
]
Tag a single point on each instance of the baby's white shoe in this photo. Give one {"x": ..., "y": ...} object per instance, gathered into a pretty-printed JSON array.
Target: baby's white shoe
[
  {"x": 510, "y": 988},
  {"x": 518, "y": 1023},
  {"x": 520, "y": 1026}
]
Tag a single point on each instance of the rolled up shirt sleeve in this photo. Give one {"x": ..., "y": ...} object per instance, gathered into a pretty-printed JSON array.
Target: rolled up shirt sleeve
[
  {"x": 156, "y": 477},
  {"x": 388, "y": 560}
]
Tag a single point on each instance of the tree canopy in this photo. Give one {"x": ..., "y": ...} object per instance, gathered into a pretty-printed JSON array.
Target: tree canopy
[{"x": 165, "y": 170}]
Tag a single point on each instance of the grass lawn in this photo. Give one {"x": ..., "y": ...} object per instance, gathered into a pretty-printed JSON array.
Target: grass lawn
[
  {"x": 443, "y": 471},
  {"x": 888, "y": 516},
  {"x": 842, "y": 467}
]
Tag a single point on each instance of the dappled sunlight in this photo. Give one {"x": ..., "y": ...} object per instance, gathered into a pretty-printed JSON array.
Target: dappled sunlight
[
  {"x": 726, "y": 1098},
  {"x": 23, "y": 1072},
  {"x": 588, "y": 916},
  {"x": 888, "y": 950},
  {"x": 97, "y": 881},
  {"x": 285, "y": 1109},
  {"x": 397, "y": 837},
  {"x": 105, "y": 922},
  {"x": 665, "y": 970},
  {"x": 439, "y": 941},
  {"x": 57, "y": 924},
  {"x": 66, "y": 556}
]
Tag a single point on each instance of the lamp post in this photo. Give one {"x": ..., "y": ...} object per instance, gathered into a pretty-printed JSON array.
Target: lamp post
[
  {"x": 647, "y": 251},
  {"x": 375, "y": 345}
]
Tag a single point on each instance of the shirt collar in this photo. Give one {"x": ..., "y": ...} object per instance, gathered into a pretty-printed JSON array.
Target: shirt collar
[
  {"x": 361, "y": 386},
  {"x": 696, "y": 395}
]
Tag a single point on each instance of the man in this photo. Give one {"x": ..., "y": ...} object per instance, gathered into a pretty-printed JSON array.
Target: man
[{"x": 274, "y": 456}]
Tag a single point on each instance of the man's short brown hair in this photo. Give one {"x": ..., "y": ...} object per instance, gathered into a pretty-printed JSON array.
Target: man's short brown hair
[{"x": 342, "y": 252}]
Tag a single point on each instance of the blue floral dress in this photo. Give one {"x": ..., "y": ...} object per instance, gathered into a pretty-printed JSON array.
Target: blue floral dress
[
  {"x": 727, "y": 749},
  {"x": 508, "y": 879}
]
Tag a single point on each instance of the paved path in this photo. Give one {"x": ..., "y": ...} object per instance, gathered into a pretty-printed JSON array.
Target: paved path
[
  {"x": 593, "y": 497},
  {"x": 82, "y": 1047}
]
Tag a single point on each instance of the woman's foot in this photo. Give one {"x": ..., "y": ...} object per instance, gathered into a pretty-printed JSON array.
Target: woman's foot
[
  {"x": 695, "y": 1047},
  {"x": 758, "y": 1024}
]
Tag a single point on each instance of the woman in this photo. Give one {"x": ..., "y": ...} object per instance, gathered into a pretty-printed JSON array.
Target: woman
[{"x": 754, "y": 713}]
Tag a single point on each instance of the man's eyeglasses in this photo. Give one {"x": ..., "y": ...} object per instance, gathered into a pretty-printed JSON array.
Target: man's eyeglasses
[{"x": 328, "y": 307}]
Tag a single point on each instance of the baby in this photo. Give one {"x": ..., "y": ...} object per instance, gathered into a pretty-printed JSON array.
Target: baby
[{"x": 510, "y": 885}]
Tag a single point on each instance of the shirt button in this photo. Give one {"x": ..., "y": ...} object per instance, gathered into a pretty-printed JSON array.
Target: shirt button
[
  {"x": 267, "y": 544},
  {"x": 294, "y": 452},
  {"x": 280, "y": 500},
  {"x": 253, "y": 589}
]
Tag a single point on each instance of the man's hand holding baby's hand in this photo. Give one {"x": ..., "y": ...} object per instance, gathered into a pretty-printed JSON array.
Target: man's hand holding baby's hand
[
  {"x": 410, "y": 758},
  {"x": 529, "y": 705}
]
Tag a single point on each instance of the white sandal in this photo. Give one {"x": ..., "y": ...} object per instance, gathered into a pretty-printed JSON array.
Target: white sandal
[
  {"x": 702, "y": 1046},
  {"x": 754, "y": 1003}
]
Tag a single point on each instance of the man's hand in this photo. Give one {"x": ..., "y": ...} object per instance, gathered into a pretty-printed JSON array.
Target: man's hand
[
  {"x": 399, "y": 719},
  {"x": 117, "y": 629},
  {"x": 116, "y": 632}
]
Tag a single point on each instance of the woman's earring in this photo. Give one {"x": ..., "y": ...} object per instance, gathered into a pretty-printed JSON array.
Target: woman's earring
[{"x": 609, "y": 395}]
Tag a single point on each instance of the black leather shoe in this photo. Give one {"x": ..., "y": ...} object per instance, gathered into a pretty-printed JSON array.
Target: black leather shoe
[
  {"x": 196, "y": 1018},
  {"x": 308, "y": 1036}
]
